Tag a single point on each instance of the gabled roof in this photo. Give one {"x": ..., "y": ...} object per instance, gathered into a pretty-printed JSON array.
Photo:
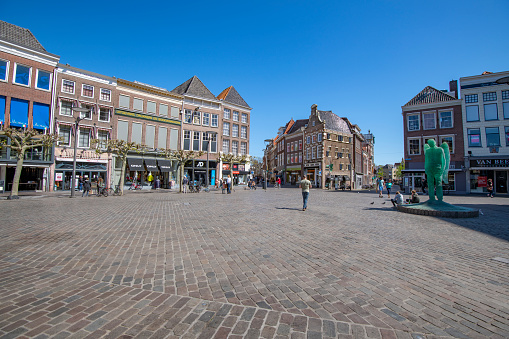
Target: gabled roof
[
  {"x": 297, "y": 125},
  {"x": 194, "y": 87},
  {"x": 232, "y": 96},
  {"x": 19, "y": 36},
  {"x": 430, "y": 95},
  {"x": 333, "y": 122}
]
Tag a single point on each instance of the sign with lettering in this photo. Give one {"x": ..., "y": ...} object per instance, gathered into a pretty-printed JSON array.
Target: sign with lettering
[
  {"x": 199, "y": 164},
  {"x": 59, "y": 176},
  {"x": 482, "y": 181},
  {"x": 146, "y": 117},
  {"x": 492, "y": 162}
]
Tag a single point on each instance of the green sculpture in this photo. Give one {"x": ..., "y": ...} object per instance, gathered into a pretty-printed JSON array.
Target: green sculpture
[{"x": 436, "y": 165}]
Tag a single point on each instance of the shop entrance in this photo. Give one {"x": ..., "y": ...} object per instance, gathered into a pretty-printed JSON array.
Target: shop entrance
[{"x": 501, "y": 182}]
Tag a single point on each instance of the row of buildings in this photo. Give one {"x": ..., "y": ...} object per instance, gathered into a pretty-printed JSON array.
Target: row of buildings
[
  {"x": 329, "y": 150},
  {"x": 38, "y": 92},
  {"x": 473, "y": 119}
]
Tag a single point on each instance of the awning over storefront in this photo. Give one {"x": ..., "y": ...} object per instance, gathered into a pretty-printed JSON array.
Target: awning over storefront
[
  {"x": 164, "y": 165},
  {"x": 151, "y": 165},
  {"x": 135, "y": 164}
]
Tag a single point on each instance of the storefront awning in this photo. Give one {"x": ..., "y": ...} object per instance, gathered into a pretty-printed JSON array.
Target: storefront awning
[
  {"x": 135, "y": 164},
  {"x": 151, "y": 165},
  {"x": 164, "y": 165}
]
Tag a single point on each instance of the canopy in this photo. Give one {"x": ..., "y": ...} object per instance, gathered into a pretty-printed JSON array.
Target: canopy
[
  {"x": 151, "y": 165},
  {"x": 135, "y": 164},
  {"x": 164, "y": 165}
]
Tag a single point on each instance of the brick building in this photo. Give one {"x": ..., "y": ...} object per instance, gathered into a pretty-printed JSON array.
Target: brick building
[{"x": 27, "y": 71}]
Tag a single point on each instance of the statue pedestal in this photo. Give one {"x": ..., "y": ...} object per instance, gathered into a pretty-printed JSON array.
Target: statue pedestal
[{"x": 439, "y": 209}]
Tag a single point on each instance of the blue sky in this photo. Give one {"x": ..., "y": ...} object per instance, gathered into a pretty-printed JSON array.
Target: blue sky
[{"x": 360, "y": 59}]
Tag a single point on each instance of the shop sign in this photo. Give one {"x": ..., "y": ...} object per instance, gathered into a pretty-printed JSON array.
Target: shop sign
[
  {"x": 199, "y": 164},
  {"x": 482, "y": 181},
  {"x": 69, "y": 153},
  {"x": 235, "y": 167},
  {"x": 489, "y": 163},
  {"x": 242, "y": 167},
  {"x": 236, "y": 172},
  {"x": 312, "y": 164},
  {"x": 226, "y": 167},
  {"x": 59, "y": 176}
]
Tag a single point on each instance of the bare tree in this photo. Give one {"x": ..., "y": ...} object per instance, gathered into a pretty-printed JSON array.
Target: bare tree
[
  {"x": 121, "y": 149},
  {"x": 22, "y": 140},
  {"x": 181, "y": 157}
]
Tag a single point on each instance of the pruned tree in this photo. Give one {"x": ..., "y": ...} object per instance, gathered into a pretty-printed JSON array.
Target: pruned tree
[
  {"x": 399, "y": 169},
  {"x": 121, "y": 149},
  {"x": 22, "y": 140},
  {"x": 181, "y": 157}
]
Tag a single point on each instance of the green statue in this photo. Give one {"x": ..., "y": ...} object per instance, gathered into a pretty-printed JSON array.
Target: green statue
[{"x": 436, "y": 165}]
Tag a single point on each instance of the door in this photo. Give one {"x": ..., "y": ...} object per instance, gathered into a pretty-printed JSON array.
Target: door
[{"x": 501, "y": 182}]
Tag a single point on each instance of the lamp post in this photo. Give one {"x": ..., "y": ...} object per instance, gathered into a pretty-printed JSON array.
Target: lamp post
[
  {"x": 76, "y": 127},
  {"x": 267, "y": 143}
]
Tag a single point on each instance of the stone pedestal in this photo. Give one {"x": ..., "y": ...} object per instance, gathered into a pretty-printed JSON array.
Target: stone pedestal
[{"x": 439, "y": 209}]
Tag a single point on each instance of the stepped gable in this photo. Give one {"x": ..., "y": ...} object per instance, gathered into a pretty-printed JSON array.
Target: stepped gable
[
  {"x": 194, "y": 87},
  {"x": 333, "y": 122},
  {"x": 430, "y": 95},
  {"x": 232, "y": 96},
  {"x": 19, "y": 36}
]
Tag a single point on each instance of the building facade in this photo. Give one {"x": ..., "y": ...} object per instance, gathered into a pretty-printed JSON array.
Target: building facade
[
  {"x": 485, "y": 109},
  {"x": 27, "y": 73},
  {"x": 433, "y": 114}
]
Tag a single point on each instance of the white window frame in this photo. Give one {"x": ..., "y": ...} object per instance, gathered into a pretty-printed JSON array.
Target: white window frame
[
  {"x": 142, "y": 103},
  {"x": 107, "y": 138},
  {"x": 6, "y": 70},
  {"x": 226, "y": 113},
  {"x": 92, "y": 109},
  {"x": 205, "y": 116},
  {"x": 60, "y": 108},
  {"x": 440, "y": 138},
  {"x": 101, "y": 94},
  {"x": 216, "y": 118},
  {"x": 226, "y": 131},
  {"x": 243, "y": 148},
  {"x": 62, "y": 142},
  {"x": 155, "y": 107},
  {"x": 79, "y": 134},
  {"x": 184, "y": 139},
  {"x": 478, "y": 113},
  {"x": 235, "y": 131},
  {"x": 424, "y": 128},
  {"x": 37, "y": 78},
  {"x": 99, "y": 113},
  {"x": 243, "y": 132},
  {"x": 420, "y": 146},
  {"x": 235, "y": 116},
  {"x": 408, "y": 121},
  {"x": 73, "y": 86},
  {"x": 82, "y": 89},
  {"x": 243, "y": 118},
  {"x": 15, "y": 71},
  {"x": 196, "y": 114},
  {"x": 440, "y": 120},
  {"x": 235, "y": 147},
  {"x": 319, "y": 137},
  {"x": 128, "y": 99}
]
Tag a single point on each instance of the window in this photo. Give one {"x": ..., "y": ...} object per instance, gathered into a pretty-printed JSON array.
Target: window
[
  {"x": 505, "y": 95},
  {"x": 123, "y": 101},
  {"x": 150, "y": 136},
  {"x": 68, "y": 86},
  {"x": 243, "y": 132},
  {"x": 214, "y": 121},
  {"x": 206, "y": 119},
  {"x": 428, "y": 121},
  {"x": 84, "y": 137},
  {"x": 307, "y": 154},
  {"x": 490, "y": 112},
  {"x": 292, "y": 147},
  {"x": 235, "y": 116},
  {"x": 22, "y": 75},
  {"x": 320, "y": 137},
  {"x": 313, "y": 138},
  {"x": 65, "y": 107},
  {"x": 43, "y": 80},
  {"x": 288, "y": 147},
  {"x": 243, "y": 148},
  {"x": 490, "y": 96},
  {"x": 472, "y": 113},
  {"x": 235, "y": 147},
  {"x": 474, "y": 137},
  {"x": 235, "y": 131},
  {"x": 308, "y": 140},
  {"x": 445, "y": 119},
  {"x": 471, "y": 98},
  {"x": 226, "y": 146},
  {"x": 174, "y": 112},
  {"x": 226, "y": 128},
  {"x": 4, "y": 70},
  {"x": 138, "y": 104},
  {"x": 196, "y": 117},
  {"x": 340, "y": 138},
  {"x": 328, "y": 136},
  {"x": 104, "y": 114},
  {"x": 87, "y": 91},
  {"x": 507, "y": 136},
  {"x": 413, "y": 122},
  {"x": 288, "y": 158},
  {"x": 340, "y": 167},
  {"x": 64, "y": 133},
  {"x": 151, "y": 107},
  {"x": 492, "y": 136},
  {"x": 313, "y": 152},
  {"x": 187, "y": 140},
  {"x": 300, "y": 157},
  {"x": 188, "y": 116},
  {"x": 226, "y": 113},
  {"x": 414, "y": 146},
  {"x": 105, "y": 94},
  {"x": 162, "y": 138},
  {"x": 122, "y": 130},
  {"x": 205, "y": 141},
  {"x": 196, "y": 141},
  {"x": 88, "y": 114},
  {"x": 449, "y": 140},
  {"x": 163, "y": 110},
  {"x": 213, "y": 142},
  {"x": 102, "y": 136},
  {"x": 506, "y": 110},
  {"x": 244, "y": 117},
  {"x": 136, "y": 132}
]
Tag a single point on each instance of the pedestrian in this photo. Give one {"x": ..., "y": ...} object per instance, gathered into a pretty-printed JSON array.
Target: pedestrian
[
  {"x": 80, "y": 183},
  {"x": 86, "y": 187},
  {"x": 100, "y": 185},
  {"x": 305, "y": 184},
  {"x": 398, "y": 199},
  {"x": 490, "y": 188},
  {"x": 381, "y": 188},
  {"x": 279, "y": 182},
  {"x": 185, "y": 182},
  {"x": 229, "y": 184},
  {"x": 388, "y": 186}
]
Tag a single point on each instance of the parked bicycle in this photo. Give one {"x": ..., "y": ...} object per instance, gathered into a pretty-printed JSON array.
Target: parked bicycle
[
  {"x": 109, "y": 191},
  {"x": 135, "y": 186}
]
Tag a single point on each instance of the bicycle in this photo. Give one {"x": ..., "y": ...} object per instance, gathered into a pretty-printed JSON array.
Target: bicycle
[{"x": 111, "y": 191}]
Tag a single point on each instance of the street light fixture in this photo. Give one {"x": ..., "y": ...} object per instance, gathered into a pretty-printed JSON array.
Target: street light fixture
[{"x": 76, "y": 128}]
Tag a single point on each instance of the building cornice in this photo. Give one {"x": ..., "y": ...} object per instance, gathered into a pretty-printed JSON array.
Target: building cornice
[
  {"x": 149, "y": 89},
  {"x": 27, "y": 53},
  {"x": 435, "y": 105}
]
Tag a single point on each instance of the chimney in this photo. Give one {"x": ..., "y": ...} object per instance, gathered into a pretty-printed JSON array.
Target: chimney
[
  {"x": 314, "y": 108},
  {"x": 453, "y": 87}
]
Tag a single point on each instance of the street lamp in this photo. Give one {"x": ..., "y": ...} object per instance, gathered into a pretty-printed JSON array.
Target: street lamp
[
  {"x": 76, "y": 128},
  {"x": 267, "y": 143}
]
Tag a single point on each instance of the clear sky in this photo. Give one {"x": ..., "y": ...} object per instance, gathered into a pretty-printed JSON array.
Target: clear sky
[{"x": 360, "y": 59}]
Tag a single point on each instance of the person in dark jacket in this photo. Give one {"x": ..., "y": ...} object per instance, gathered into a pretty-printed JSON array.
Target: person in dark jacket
[
  {"x": 86, "y": 187},
  {"x": 414, "y": 198}
]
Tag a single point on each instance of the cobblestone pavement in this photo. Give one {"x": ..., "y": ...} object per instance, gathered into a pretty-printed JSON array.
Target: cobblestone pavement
[{"x": 250, "y": 265}]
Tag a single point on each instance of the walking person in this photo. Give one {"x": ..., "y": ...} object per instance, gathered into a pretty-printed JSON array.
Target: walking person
[
  {"x": 388, "y": 187},
  {"x": 305, "y": 184},
  {"x": 185, "y": 182},
  {"x": 229, "y": 184},
  {"x": 279, "y": 182},
  {"x": 80, "y": 183},
  {"x": 490, "y": 188},
  {"x": 86, "y": 187},
  {"x": 381, "y": 188}
]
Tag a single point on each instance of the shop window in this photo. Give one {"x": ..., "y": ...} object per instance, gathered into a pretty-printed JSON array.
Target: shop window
[
  {"x": 474, "y": 137},
  {"x": 4, "y": 69},
  {"x": 43, "y": 80},
  {"x": 105, "y": 94},
  {"x": 490, "y": 112},
  {"x": 428, "y": 121},
  {"x": 446, "y": 119},
  {"x": 492, "y": 136},
  {"x": 187, "y": 140},
  {"x": 87, "y": 91},
  {"x": 414, "y": 146},
  {"x": 22, "y": 75},
  {"x": 413, "y": 122},
  {"x": 472, "y": 113}
]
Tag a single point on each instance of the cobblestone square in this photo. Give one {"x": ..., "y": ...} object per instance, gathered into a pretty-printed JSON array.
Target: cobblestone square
[{"x": 251, "y": 265}]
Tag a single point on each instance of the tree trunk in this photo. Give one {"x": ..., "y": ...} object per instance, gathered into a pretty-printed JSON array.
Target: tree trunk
[
  {"x": 122, "y": 177},
  {"x": 181, "y": 170},
  {"x": 17, "y": 174}
]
